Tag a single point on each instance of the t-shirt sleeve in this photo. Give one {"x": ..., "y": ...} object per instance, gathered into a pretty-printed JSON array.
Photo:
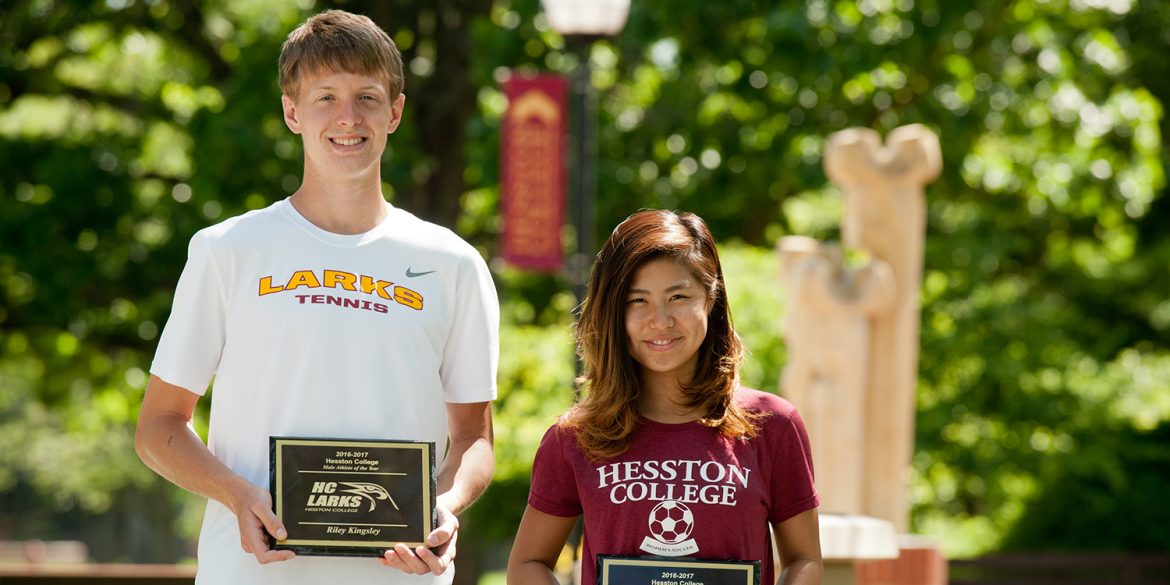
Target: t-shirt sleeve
[
  {"x": 472, "y": 352},
  {"x": 793, "y": 487},
  {"x": 554, "y": 489},
  {"x": 192, "y": 341}
]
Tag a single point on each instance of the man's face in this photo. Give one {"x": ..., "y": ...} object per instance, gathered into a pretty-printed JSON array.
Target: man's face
[{"x": 343, "y": 119}]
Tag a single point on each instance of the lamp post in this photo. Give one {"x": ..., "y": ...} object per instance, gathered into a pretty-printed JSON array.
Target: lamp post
[{"x": 583, "y": 22}]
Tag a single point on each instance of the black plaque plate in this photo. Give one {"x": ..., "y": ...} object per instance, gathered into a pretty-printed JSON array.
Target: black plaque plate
[
  {"x": 352, "y": 497},
  {"x": 618, "y": 570}
]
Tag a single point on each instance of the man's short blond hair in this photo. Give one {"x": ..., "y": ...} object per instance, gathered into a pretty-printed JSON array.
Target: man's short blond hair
[{"x": 335, "y": 40}]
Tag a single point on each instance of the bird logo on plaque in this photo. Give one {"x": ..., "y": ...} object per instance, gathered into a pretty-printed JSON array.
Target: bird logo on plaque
[
  {"x": 369, "y": 491},
  {"x": 671, "y": 523}
]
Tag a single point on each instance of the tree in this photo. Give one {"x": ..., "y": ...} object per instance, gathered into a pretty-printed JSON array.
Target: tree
[{"x": 126, "y": 125}]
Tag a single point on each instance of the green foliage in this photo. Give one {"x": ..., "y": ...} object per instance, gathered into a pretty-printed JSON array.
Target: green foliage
[
  {"x": 127, "y": 125},
  {"x": 1109, "y": 457},
  {"x": 753, "y": 290},
  {"x": 535, "y": 387},
  {"x": 1081, "y": 494}
]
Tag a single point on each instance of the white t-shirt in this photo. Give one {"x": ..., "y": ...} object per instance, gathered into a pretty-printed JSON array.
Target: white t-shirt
[{"x": 314, "y": 334}]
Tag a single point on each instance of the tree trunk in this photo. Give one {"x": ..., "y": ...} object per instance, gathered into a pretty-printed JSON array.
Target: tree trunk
[{"x": 441, "y": 102}]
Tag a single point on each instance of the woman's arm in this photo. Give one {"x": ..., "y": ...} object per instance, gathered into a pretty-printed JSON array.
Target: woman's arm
[
  {"x": 799, "y": 541},
  {"x": 538, "y": 545}
]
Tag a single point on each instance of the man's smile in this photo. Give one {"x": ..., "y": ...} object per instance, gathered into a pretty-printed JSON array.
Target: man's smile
[{"x": 348, "y": 141}]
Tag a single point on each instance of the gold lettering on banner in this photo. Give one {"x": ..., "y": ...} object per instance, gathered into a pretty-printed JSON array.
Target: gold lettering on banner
[{"x": 534, "y": 228}]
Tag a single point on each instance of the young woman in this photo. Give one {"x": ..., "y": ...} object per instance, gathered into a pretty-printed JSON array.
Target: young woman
[{"x": 667, "y": 455}]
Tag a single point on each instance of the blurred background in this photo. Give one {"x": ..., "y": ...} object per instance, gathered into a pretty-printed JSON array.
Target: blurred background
[{"x": 1044, "y": 390}]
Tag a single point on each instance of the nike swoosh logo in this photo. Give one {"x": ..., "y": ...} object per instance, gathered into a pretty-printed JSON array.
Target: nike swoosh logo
[{"x": 411, "y": 274}]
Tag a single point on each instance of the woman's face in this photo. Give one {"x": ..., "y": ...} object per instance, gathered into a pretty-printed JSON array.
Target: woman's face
[{"x": 666, "y": 318}]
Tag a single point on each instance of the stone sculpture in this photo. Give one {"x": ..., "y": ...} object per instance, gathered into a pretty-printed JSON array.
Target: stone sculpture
[{"x": 852, "y": 332}]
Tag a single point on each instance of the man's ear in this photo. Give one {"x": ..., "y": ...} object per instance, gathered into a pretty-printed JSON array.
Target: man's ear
[
  {"x": 396, "y": 113},
  {"x": 290, "y": 114}
]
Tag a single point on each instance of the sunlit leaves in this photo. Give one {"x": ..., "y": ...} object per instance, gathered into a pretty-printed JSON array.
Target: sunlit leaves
[
  {"x": 165, "y": 151},
  {"x": 184, "y": 100},
  {"x": 536, "y": 386},
  {"x": 753, "y": 292},
  {"x": 62, "y": 118}
]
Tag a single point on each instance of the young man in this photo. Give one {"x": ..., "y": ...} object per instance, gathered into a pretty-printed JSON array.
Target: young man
[{"x": 328, "y": 314}]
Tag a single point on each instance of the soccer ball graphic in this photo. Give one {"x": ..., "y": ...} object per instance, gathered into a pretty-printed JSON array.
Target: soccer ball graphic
[{"x": 671, "y": 522}]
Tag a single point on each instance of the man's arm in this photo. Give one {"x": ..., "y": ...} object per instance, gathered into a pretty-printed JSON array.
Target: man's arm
[
  {"x": 465, "y": 474},
  {"x": 467, "y": 471},
  {"x": 167, "y": 444}
]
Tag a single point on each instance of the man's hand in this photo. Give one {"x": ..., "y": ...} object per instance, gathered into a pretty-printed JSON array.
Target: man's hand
[
  {"x": 465, "y": 473},
  {"x": 253, "y": 508},
  {"x": 422, "y": 559}
]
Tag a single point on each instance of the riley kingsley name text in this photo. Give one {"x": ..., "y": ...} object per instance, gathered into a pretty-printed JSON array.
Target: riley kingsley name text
[{"x": 362, "y": 530}]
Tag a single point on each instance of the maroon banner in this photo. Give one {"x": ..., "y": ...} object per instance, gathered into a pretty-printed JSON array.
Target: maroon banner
[{"x": 532, "y": 172}]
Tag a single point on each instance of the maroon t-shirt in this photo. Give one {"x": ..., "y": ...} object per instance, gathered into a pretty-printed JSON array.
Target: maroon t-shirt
[{"x": 682, "y": 489}]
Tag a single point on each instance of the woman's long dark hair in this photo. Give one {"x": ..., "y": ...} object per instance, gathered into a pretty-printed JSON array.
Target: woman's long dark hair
[{"x": 605, "y": 419}]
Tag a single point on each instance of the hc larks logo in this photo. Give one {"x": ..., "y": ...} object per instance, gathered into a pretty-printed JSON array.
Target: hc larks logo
[
  {"x": 324, "y": 494},
  {"x": 338, "y": 279},
  {"x": 671, "y": 523}
]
